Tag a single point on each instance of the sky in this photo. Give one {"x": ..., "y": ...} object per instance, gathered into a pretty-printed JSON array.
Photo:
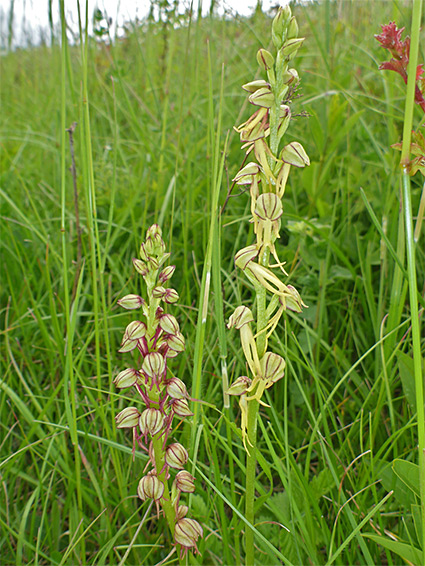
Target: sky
[{"x": 32, "y": 15}]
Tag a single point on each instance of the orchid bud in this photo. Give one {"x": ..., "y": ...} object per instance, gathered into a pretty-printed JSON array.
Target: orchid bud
[
  {"x": 176, "y": 456},
  {"x": 151, "y": 421},
  {"x": 240, "y": 386},
  {"x": 269, "y": 207},
  {"x": 171, "y": 296},
  {"x": 240, "y": 317},
  {"x": 175, "y": 342},
  {"x": 176, "y": 389},
  {"x": 185, "y": 482},
  {"x": 153, "y": 231},
  {"x": 255, "y": 85},
  {"x": 126, "y": 378},
  {"x": 166, "y": 273},
  {"x": 153, "y": 365},
  {"x": 244, "y": 176},
  {"x": 181, "y": 512},
  {"x": 272, "y": 366},
  {"x": 150, "y": 487},
  {"x": 265, "y": 59},
  {"x": 131, "y": 302},
  {"x": 292, "y": 32},
  {"x": 134, "y": 332},
  {"x": 168, "y": 323},
  {"x": 295, "y": 155},
  {"x": 140, "y": 266},
  {"x": 187, "y": 532},
  {"x": 290, "y": 47},
  {"x": 292, "y": 300},
  {"x": 262, "y": 97},
  {"x": 279, "y": 26},
  {"x": 158, "y": 292},
  {"x": 245, "y": 256},
  {"x": 180, "y": 407},
  {"x": 127, "y": 418}
]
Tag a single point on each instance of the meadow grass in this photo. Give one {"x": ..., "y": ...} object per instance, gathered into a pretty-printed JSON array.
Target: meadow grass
[{"x": 154, "y": 143}]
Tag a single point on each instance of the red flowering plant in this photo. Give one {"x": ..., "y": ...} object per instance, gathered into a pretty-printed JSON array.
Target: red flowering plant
[{"x": 390, "y": 39}]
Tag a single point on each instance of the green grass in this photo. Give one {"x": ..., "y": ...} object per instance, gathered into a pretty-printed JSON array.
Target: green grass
[{"x": 152, "y": 124}]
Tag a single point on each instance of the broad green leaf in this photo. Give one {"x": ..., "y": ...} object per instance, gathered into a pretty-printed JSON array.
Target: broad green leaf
[
  {"x": 406, "y": 551},
  {"x": 408, "y": 472},
  {"x": 405, "y": 368}
]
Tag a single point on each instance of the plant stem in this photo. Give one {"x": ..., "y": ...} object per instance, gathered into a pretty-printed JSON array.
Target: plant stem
[
  {"x": 251, "y": 464},
  {"x": 410, "y": 248}
]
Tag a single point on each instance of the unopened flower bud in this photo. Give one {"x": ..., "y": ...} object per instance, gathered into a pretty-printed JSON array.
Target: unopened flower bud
[
  {"x": 157, "y": 245},
  {"x": 240, "y": 386},
  {"x": 180, "y": 407},
  {"x": 268, "y": 207},
  {"x": 290, "y": 47},
  {"x": 153, "y": 365},
  {"x": 273, "y": 367},
  {"x": 262, "y": 97},
  {"x": 150, "y": 487},
  {"x": 292, "y": 300},
  {"x": 175, "y": 342},
  {"x": 295, "y": 155},
  {"x": 127, "y": 418},
  {"x": 176, "y": 456},
  {"x": 176, "y": 389},
  {"x": 185, "y": 482},
  {"x": 151, "y": 421},
  {"x": 153, "y": 230},
  {"x": 166, "y": 273},
  {"x": 255, "y": 85},
  {"x": 131, "y": 302},
  {"x": 279, "y": 26},
  {"x": 126, "y": 378},
  {"x": 135, "y": 331},
  {"x": 152, "y": 264},
  {"x": 245, "y": 256},
  {"x": 240, "y": 317},
  {"x": 245, "y": 175},
  {"x": 181, "y": 512},
  {"x": 187, "y": 532},
  {"x": 158, "y": 292},
  {"x": 265, "y": 59},
  {"x": 171, "y": 296},
  {"x": 292, "y": 32},
  {"x": 168, "y": 323},
  {"x": 141, "y": 267}
]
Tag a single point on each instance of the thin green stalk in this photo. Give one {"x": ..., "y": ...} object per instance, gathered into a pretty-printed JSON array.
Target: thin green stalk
[
  {"x": 251, "y": 464},
  {"x": 69, "y": 380},
  {"x": 206, "y": 274},
  {"x": 410, "y": 250}
]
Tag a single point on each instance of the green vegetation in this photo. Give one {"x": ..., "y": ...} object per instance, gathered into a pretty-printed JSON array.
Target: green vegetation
[{"x": 154, "y": 144}]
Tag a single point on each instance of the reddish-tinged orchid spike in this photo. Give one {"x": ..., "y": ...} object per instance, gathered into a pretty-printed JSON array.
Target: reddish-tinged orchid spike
[
  {"x": 390, "y": 38},
  {"x": 394, "y": 65}
]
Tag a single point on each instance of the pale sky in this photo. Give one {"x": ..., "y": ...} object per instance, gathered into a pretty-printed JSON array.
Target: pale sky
[{"x": 33, "y": 14}]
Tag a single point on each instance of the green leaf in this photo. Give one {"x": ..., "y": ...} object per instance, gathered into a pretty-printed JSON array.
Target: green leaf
[
  {"x": 406, "y": 551},
  {"x": 392, "y": 482},
  {"x": 408, "y": 472},
  {"x": 417, "y": 520},
  {"x": 405, "y": 368}
]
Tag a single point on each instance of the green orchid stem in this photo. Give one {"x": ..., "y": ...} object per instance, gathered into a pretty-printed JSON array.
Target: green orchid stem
[
  {"x": 251, "y": 464},
  {"x": 253, "y": 406},
  {"x": 410, "y": 248},
  {"x": 159, "y": 455}
]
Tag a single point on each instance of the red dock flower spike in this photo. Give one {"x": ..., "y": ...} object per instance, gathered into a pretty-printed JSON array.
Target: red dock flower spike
[{"x": 390, "y": 39}]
